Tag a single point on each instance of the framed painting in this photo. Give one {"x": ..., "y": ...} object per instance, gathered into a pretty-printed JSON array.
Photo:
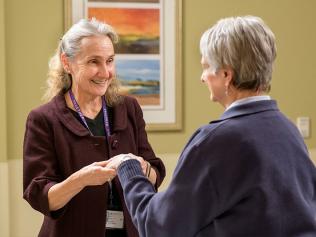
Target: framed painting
[{"x": 148, "y": 55}]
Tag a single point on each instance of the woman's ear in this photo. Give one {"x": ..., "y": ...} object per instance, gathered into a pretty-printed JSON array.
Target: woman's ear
[
  {"x": 228, "y": 74},
  {"x": 65, "y": 62}
]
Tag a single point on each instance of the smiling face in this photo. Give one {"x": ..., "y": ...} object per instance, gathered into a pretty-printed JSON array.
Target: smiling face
[{"x": 93, "y": 68}]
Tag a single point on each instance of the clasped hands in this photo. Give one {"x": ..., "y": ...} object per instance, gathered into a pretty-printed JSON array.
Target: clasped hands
[
  {"x": 115, "y": 161},
  {"x": 100, "y": 172}
]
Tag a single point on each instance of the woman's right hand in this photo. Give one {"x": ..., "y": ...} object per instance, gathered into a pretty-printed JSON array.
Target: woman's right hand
[{"x": 96, "y": 174}]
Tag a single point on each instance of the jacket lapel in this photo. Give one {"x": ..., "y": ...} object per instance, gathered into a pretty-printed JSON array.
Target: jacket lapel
[{"x": 66, "y": 117}]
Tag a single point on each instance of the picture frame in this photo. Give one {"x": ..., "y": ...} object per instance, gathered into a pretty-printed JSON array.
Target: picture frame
[{"x": 148, "y": 63}]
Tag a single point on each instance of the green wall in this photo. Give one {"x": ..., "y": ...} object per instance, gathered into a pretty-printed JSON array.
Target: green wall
[
  {"x": 32, "y": 30},
  {"x": 3, "y": 131}
]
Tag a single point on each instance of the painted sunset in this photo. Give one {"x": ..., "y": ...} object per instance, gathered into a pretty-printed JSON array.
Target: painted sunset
[{"x": 138, "y": 29}]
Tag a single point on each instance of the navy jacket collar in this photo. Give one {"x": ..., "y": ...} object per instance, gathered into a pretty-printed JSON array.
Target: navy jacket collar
[{"x": 249, "y": 108}]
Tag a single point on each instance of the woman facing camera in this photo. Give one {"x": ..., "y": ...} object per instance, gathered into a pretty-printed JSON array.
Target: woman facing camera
[
  {"x": 68, "y": 140},
  {"x": 245, "y": 174}
]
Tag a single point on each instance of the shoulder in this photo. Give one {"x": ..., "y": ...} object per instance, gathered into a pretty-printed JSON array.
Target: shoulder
[
  {"x": 47, "y": 110},
  {"x": 129, "y": 100},
  {"x": 131, "y": 104},
  {"x": 218, "y": 135}
]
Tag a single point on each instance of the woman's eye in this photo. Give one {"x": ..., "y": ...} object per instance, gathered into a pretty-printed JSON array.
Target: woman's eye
[
  {"x": 110, "y": 60},
  {"x": 93, "y": 61}
]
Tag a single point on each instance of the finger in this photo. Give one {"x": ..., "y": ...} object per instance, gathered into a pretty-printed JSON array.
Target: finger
[
  {"x": 111, "y": 165},
  {"x": 109, "y": 172},
  {"x": 120, "y": 156},
  {"x": 102, "y": 163}
]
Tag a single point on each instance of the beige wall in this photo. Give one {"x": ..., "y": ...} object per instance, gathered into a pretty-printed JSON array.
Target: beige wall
[
  {"x": 29, "y": 32},
  {"x": 32, "y": 32},
  {"x": 3, "y": 135},
  {"x": 293, "y": 79},
  {"x": 33, "y": 28}
]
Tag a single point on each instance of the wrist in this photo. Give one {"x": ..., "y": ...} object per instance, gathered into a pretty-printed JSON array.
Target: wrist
[
  {"x": 148, "y": 169},
  {"x": 124, "y": 158},
  {"x": 78, "y": 179}
]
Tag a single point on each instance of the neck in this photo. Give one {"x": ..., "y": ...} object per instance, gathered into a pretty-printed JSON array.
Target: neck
[
  {"x": 238, "y": 95},
  {"x": 89, "y": 105}
]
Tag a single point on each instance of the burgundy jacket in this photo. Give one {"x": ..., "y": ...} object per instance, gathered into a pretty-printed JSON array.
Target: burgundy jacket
[{"x": 56, "y": 145}]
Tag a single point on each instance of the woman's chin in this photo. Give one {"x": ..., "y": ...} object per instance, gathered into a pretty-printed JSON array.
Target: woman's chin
[{"x": 100, "y": 91}]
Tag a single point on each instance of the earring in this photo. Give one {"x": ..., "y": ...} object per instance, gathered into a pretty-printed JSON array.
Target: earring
[{"x": 226, "y": 90}]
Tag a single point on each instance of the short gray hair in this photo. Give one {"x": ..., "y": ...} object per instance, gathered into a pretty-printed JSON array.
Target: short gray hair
[
  {"x": 247, "y": 45},
  {"x": 58, "y": 79}
]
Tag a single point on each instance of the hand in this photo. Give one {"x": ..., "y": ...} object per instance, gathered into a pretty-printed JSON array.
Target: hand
[
  {"x": 115, "y": 161},
  {"x": 96, "y": 173}
]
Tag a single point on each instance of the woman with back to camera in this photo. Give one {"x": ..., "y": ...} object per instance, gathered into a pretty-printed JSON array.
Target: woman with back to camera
[
  {"x": 246, "y": 174},
  {"x": 68, "y": 140}
]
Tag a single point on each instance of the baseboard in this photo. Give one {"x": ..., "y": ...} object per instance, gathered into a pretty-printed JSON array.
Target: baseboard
[
  {"x": 312, "y": 153},
  {"x": 24, "y": 221},
  {"x": 4, "y": 200},
  {"x": 170, "y": 161}
]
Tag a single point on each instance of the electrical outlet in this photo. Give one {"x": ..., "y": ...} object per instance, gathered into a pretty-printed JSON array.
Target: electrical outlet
[{"x": 303, "y": 125}]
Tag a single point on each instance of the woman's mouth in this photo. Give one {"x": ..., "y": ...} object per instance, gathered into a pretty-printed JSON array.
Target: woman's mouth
[{"x": 99, "y": 82}]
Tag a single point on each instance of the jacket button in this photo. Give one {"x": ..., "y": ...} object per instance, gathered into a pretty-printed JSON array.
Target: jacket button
[{"x": 115, "y": 144}]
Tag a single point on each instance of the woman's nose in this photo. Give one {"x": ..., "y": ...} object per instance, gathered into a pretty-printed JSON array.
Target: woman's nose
[{"x": 104, "y": 71}]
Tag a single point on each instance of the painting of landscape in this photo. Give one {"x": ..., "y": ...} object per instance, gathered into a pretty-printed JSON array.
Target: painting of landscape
[
  {"x": 138, "y": 29},
  {"x": 148, "y": 54},
  {"x": 140, "y": 78}
]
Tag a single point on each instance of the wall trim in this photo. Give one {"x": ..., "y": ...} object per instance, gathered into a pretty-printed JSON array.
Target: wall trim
[{"x": 4, "y": 200}]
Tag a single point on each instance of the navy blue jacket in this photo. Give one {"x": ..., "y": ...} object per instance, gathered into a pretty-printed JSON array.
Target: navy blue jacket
[{"x": 247, "y": 174}]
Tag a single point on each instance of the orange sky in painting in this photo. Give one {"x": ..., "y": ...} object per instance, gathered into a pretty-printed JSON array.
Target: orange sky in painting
[{"x": 129, "y": 21}]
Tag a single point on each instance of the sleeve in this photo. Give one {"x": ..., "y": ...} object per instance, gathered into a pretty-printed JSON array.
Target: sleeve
[
  {"x": 187, "y": 206},
  {"x": 144, "y": 148},
  {"x": 40, "y": 167}
]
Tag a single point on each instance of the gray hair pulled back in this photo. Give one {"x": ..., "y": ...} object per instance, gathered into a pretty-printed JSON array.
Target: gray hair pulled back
[
  {"x": 247, "y": 45},
  {"x": 58, "y": 80}
]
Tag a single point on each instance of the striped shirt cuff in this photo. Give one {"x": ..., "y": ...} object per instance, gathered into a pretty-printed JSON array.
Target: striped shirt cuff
[{"x": 128, "y": 169}]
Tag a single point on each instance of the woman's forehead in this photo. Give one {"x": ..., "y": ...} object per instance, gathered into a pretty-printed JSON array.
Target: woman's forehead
[
  {"x": 97, "y": 40},
  {"x": 96, "y": 45}
]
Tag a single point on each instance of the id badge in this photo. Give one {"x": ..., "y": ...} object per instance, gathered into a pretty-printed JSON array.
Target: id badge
[{"x": 114, "y": 219}]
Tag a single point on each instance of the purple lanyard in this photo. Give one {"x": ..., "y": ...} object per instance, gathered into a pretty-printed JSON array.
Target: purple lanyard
[{"x": 105, "y": 114}]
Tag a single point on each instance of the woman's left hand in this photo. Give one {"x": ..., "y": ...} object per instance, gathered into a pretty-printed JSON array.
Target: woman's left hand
[{"x": 115, "y": 162}]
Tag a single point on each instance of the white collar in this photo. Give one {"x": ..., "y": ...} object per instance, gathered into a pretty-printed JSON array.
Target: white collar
[{"x": 248, "y": 100}]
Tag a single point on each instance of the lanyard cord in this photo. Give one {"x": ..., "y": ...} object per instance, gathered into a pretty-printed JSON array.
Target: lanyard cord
[
  {"x": 104, "y": 110},
  {"x": 105, "y": 123}
]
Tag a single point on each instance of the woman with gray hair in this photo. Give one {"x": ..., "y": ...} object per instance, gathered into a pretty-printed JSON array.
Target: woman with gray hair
[
  {"x": 247, "y": 173},
  {"x": 68, "y": 139}
]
